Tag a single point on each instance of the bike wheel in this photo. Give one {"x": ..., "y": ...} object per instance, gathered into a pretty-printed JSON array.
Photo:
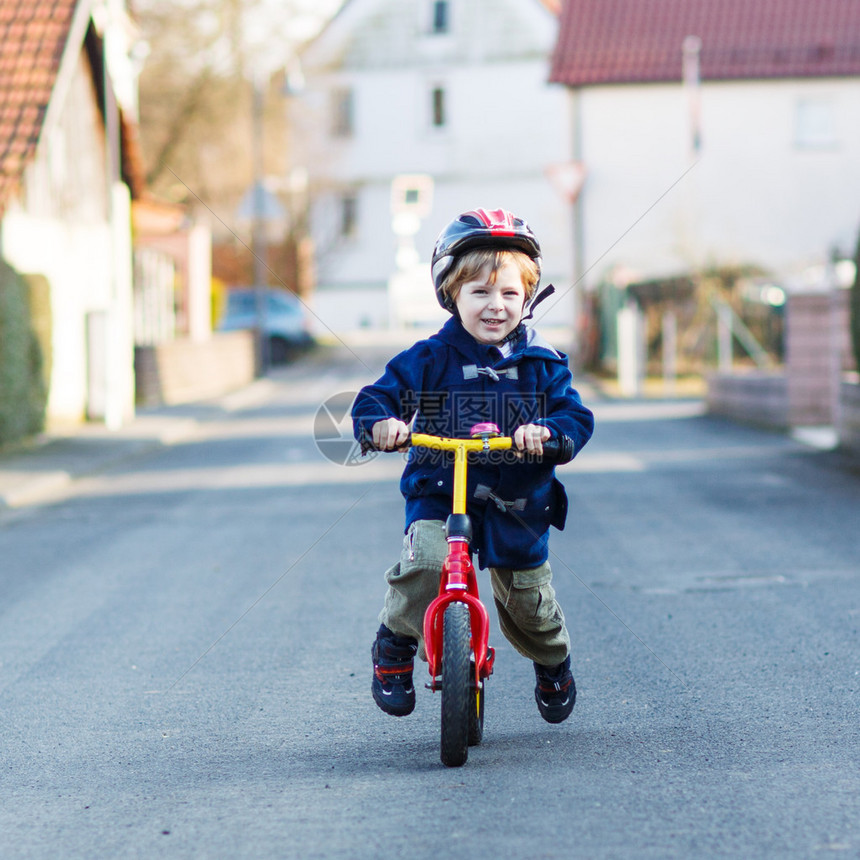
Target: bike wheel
[
  {"x": 456, "y": 686},
  {"x": 476, "y": 709}
]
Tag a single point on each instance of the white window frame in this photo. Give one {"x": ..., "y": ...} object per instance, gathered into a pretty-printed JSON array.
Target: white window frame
[
  {"x": 348, "y": 215},
  {"x": 342, "y": 123},
  {"x": 816, "y": 123},
  {"x": 435, "y": 7},
  {"x": 439, "y": 107}
]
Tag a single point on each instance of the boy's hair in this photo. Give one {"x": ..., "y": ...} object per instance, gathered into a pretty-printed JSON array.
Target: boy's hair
[{"x": 471, "y": 264}]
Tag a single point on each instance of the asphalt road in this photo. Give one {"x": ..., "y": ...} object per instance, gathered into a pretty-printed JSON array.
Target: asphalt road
[{"x": 185, "y": 653}]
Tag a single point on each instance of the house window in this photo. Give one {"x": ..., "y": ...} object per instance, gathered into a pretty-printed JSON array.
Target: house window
[
  {"x": 441, "y": 20},
  {"x": 412, "y": 195},
  {"x": 342, "y": 113},
  {"x": 438, "y": 113},
  {"x": 348, "y": 215},
  {"x": 815, "y": 124}
]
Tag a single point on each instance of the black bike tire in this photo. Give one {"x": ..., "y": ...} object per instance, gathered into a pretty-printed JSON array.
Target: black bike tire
[
  {"x": 456, "y": 686},
  {"x": 476, "y": 709}
]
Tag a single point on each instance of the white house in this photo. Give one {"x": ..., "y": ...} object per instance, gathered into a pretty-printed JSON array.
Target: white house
[
  {"x": 68, "y": 169},
  {"x": 452, "y": 95},
  {"x": 712, "y": 132}
]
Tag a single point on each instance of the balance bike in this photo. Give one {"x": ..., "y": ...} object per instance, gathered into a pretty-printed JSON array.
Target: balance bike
[{"x": 456, "y": 624}]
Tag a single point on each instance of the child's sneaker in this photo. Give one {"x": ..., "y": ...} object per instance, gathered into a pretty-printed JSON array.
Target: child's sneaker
[
  {"x": 555, "y": 691},
  {"x": 392, "y": 672}
]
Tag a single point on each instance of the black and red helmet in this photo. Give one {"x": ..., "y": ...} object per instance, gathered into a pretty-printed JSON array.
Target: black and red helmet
[{"x": 480, "y": 228}]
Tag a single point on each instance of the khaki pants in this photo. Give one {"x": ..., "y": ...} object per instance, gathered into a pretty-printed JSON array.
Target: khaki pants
[{"x": 529, "y": 615}]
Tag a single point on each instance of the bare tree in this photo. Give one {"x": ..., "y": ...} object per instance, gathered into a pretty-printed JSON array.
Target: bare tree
[{"x": 196, "y": 93}]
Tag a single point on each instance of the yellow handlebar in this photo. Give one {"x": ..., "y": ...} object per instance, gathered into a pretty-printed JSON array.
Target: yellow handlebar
[
  {"x": 461, "y": 448},
  {"x": 442, "y": 443}
]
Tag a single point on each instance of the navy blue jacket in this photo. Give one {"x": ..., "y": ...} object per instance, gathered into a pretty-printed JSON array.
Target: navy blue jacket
[{"x": 453, "y": 382}]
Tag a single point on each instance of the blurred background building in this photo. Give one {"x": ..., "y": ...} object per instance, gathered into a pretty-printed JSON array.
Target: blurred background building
[
  {"x": 718, "y": 136},
  {"x": 425, "y": 109},
  {"x": 688, "y": 166},
  {"x": 70, "y": 166}
]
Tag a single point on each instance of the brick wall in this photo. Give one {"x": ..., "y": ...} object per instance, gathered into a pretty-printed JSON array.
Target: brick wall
[
  {"x": 807, "y": 390},
  {"x": 753, "y": 397},
  {"x": 816, "y": 345},
  {"x": 181, "y": 371}
]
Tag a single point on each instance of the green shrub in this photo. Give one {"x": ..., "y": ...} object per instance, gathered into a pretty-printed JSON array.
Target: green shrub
[
  {"x": 23, "y": 390},
  {"x": 39, "y": 301}
]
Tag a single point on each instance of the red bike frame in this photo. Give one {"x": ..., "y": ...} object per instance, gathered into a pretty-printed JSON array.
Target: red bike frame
[{"x": 458, "y": 580}]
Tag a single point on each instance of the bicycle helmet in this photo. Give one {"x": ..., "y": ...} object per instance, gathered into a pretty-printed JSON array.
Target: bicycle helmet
[{"x": 480, "y": 228}]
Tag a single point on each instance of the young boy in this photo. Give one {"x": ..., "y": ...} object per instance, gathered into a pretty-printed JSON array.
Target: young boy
[{"x": 484, "y": 365}]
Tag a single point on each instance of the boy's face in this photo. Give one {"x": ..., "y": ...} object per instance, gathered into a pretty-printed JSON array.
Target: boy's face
[{"x": 490, "y": 311}]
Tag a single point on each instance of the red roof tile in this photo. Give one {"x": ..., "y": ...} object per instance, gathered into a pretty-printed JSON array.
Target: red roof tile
[
  {"x": 33, "y": 34},
  {"x": 618, "y": 41}
]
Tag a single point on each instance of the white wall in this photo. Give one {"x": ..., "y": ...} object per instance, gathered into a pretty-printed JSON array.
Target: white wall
[
  {"x": 756, "y": 194},
  {"x": 59, "y": 228},
  {"x": 505, "y": 126}
]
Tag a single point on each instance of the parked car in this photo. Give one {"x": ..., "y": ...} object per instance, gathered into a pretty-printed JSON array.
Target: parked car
[{"x": 285, "y": 321}]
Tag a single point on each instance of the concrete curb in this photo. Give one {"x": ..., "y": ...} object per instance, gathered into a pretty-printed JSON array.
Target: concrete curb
[{"x": 43, "y": 470}]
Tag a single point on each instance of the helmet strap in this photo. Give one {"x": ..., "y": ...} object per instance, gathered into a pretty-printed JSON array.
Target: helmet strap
[
  {"x": 515, "y": 334},
  {"x": 545, "y": 293}
]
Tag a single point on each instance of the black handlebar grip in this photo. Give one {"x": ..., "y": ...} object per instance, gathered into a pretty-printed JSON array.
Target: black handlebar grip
[
  {"x": 365, "y": 440},
  {"x": 558, "y": 450}
]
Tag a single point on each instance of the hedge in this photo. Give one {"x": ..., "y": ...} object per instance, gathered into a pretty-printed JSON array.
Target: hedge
[{"x": 23, "y": 390}]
